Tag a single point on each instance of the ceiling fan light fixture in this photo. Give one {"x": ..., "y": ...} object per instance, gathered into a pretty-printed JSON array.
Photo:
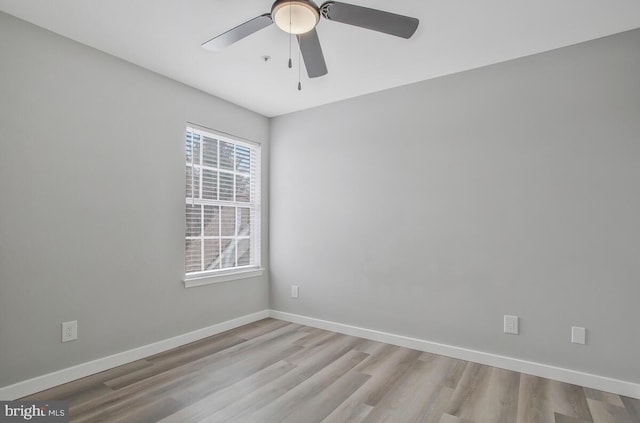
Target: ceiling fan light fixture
[{"x": 295, "y": 16}]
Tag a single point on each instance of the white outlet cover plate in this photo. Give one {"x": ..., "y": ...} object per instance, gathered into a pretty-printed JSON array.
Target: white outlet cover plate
[
  {"x": 511, "y": 324},
  {"x": 69, "y": 331},
  {"x": 294, "y": 291},
  {"x": 578, "y": 335}
]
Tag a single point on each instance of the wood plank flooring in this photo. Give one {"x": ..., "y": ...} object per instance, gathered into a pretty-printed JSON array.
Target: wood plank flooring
[{"x": 274, "y": 371}]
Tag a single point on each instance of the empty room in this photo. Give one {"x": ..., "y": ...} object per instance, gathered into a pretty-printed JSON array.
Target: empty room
[{"x": 289, "y": 211}]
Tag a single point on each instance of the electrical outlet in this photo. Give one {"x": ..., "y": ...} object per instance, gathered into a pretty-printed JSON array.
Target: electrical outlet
[
  {"x": 69, "y": 331},
  {"x": 511, "y": 324},
  {"x": 578, "y": 335},
  {"x": 294, "y": 291}
]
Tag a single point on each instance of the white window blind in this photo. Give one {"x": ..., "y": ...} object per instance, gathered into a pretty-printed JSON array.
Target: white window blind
[{"x": 222, "y": 204}]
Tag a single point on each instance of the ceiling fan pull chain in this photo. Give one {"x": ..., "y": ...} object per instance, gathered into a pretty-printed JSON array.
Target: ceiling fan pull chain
[
  {"x": 299, "y": 62},
  {"x": 290, "y": 35}
]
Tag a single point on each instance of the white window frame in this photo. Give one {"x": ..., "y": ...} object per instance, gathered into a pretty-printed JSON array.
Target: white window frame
[{"x": 206, "y": 277}]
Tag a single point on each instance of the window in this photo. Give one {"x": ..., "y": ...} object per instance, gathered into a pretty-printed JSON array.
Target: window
[{"x": 222, "y": 205}]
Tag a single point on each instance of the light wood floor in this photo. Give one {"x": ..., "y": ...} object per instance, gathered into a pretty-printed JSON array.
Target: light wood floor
[{"x": 274, "y": 371}]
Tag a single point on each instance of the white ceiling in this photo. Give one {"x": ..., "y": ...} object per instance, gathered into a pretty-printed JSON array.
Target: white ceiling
[{"x": 454, "y": 35}]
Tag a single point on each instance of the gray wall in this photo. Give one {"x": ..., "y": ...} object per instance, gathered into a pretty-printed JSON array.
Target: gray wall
[
  {"x": 433, "y": 209},
  {"x": 92, "y": 206}
]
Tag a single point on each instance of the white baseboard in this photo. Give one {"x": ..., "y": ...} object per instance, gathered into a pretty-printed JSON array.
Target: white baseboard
[
  {"x": 601, "y": 383},
  {"x": 59, "y": 377}
]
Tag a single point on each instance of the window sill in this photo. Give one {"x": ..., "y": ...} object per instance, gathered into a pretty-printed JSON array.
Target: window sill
[{"x": 224, "y": 277}]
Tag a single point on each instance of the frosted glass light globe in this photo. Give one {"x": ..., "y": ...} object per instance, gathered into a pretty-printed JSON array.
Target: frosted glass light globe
[{"x": 296, "y": 16}]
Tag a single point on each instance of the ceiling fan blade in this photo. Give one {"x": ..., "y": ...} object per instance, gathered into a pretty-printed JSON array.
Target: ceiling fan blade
[
  {"x": 225, "y": 39},
  {"x": 376, "y": 20},
  {"x": 312, "y": 54}
]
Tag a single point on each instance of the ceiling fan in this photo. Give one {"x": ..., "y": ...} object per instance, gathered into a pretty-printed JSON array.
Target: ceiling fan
[{"x": 300, "y": 17}]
